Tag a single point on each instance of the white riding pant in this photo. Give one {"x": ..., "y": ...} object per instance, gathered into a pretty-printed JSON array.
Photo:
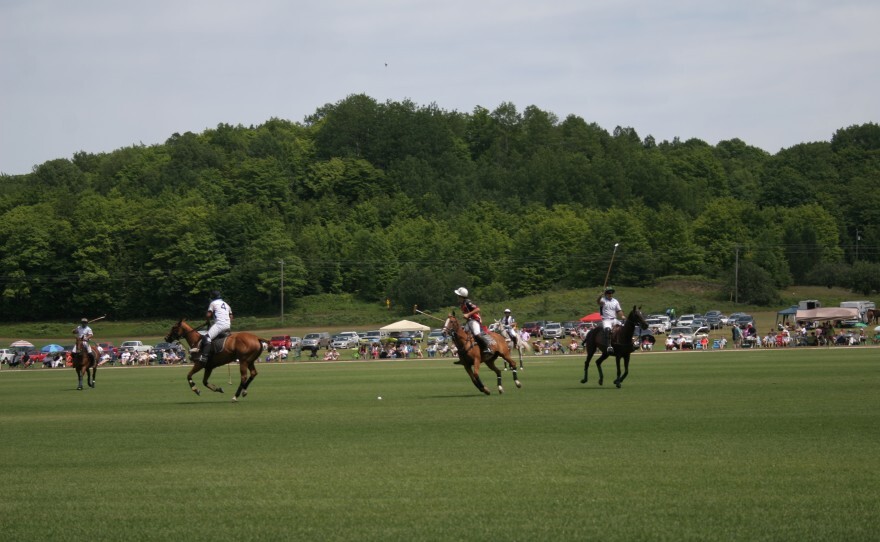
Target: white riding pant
[
  {"x": 610, "y": 323},
  {"x": 474, "y": 326},
  {"x": 215, "y": 330}
]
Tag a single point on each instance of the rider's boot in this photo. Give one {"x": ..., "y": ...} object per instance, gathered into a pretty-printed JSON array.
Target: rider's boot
[
  {"x": 484, "y": 343},
  {"x": 204, "y": 350},
  {"x": 609, "y": 348}
]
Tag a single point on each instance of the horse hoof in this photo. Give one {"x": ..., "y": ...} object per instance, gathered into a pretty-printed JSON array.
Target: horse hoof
[
  {"x": 197, "y": 392},
  {"x": 617, "y": 384},
  {"x": 244, "y": 393},
  {"x": 500, "y": 390},
  {"x": 518, "y": 383},
  {"x": 486, "y": 391},
  {"x": 584, "y": 381},
  {"x": 234, "y": 399},
  {"x": 92, "y": 385},
  {"x": 79, "y": 388},
  {"x": 219, "y": 390}
]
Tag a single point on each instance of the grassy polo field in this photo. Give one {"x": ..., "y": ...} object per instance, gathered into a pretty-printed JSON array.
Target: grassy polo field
[{"x": 734, "y": 445}]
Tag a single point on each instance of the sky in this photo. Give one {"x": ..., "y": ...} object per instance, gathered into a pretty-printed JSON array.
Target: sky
[{"x": 98, "y": 75}]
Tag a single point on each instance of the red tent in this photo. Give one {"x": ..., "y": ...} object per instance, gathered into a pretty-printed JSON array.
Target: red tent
[{"x": 594, "y": 317}]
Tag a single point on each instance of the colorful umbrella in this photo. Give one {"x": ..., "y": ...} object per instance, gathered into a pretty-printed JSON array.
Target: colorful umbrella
[
  {"x": 594, "y": 317},
  {"x": 21, "y": 344},
  {"x": 52, "y": 348}
]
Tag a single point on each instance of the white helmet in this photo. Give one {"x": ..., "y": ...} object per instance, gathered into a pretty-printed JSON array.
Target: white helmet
[
  {"x": 462, "y": 292},
  {"x": 506, "y": 310}
]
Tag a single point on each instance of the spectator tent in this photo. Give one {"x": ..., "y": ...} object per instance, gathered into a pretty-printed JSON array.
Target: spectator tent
[
  {"x": 405, "y": 325},
  {"x": 829, "y": 313},
  {"x": 786, "y": 315}
]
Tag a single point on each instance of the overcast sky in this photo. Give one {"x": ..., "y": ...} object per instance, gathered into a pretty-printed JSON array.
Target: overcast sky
[{"x": 97, "y": 75}]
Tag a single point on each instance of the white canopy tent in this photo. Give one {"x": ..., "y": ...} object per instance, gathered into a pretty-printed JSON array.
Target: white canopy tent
[
  {"x": 829, "y": 313},
  {"x": 405, "y": 325}
]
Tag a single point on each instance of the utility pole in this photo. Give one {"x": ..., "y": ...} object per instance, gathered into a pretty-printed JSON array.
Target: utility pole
[
  {"x": 736, "y": 278},
  {"x": 282, "y": 291}
]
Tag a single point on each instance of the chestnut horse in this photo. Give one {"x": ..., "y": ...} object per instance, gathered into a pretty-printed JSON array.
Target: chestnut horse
[
  {"x": 245, "y": 348},
  {"x": 621, "y": 340},
  {"x": 470, "y": 355},
  {"x": 82, "y": 362},
  {"x": 872, "y": 316}
]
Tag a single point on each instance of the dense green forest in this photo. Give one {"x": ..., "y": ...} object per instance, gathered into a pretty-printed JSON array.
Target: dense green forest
[{"x": 405, "y": 202}]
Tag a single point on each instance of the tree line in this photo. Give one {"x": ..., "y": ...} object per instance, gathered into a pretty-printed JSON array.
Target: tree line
[{"x": 405, "y": 201}]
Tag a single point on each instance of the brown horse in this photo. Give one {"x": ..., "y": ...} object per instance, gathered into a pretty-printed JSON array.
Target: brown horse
[
  {"x": 470, "y": 355},
  {"x": 872, "y": 316},
  {"x": 83, "y": 362},
  {"x": 621, "y": 340},
  {"x": 245, "y": 348}
]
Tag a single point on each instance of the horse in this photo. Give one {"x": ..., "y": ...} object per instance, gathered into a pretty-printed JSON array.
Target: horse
[
  {"x": 82, "y": 363},
  {"x": 872, "y": 316},
  {"x": 470, "y": 355},
  {"x": 621, "y": 340},
  {"x": 520, "y": 344},
  {"x": 245, "y": 348}
]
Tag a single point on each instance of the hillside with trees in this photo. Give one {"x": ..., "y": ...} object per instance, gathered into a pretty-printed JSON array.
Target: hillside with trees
[{"x": 405, "y": 201}]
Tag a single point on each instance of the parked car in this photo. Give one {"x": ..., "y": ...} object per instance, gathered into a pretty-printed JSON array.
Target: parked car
[
  {"x": 570, "y": 327},
  {"x": 553, "y": 330},
  {"x": 657, "y": 325},
  {"x": 296, "y": 342},
  {"x": 685, "y": 333},
  {"x": 533, "y": 328},
  {"x": 375, "y": 336},
  {"x": 346, "y": 339},
  {"x": 6, "y": 355},
  {"x": 135, "y": 346},
  {"x": 314, "y": 341},
  {"x": 744, "y": 320},
  {"x": 685, "y": 319},
  {"x": 281, "y": 340},
  {"x": 731, "y": 320},
  {"x": 436, "y": 336},
  {"x": 714, "y": 321}
]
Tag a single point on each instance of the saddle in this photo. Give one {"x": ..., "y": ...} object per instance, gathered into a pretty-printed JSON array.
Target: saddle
[{"x": 219, "y": 342}]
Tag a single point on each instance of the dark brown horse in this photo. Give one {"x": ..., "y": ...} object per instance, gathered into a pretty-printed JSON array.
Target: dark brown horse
[
  {"x": 83, "y": 363},
  {"x": 872, "y": 316},
  {"x": 621, "y": 340},
  {"x": 245, "y": 348},
  {"x": 470, "y": 355}
]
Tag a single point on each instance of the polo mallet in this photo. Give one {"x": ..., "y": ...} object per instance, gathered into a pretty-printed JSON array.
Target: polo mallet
[
  {"x": 98, "y": 318},
  {"x": 608, "y": 274},
  {"x": 430, "y": 315}
]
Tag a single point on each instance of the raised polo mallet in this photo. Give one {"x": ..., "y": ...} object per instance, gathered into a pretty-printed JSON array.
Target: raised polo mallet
[
  {"x": 430, "y": 315},
  {"x": 98, "y": 318},
  {"x": 608, "y": 274}
]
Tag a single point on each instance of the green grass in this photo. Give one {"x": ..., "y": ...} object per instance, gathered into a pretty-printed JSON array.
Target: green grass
[{"x": 753, "y": 445}]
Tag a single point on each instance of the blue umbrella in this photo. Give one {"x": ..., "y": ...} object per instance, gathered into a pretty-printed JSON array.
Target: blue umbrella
[{"x": 52, "y": 348}]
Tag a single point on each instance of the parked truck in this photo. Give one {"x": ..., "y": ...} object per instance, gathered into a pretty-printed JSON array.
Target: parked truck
[{"x": 863, "y": 307}]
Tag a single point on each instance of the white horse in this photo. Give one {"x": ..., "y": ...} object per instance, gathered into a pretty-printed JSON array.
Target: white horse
[{"x": 521, "y": 344}]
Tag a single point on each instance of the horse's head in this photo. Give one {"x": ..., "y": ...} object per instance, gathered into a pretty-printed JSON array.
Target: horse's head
[
  {"x": 176, "y": 332},
  {"x": 451, "y": 325},
  {"x": 637, "y": 317}
]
